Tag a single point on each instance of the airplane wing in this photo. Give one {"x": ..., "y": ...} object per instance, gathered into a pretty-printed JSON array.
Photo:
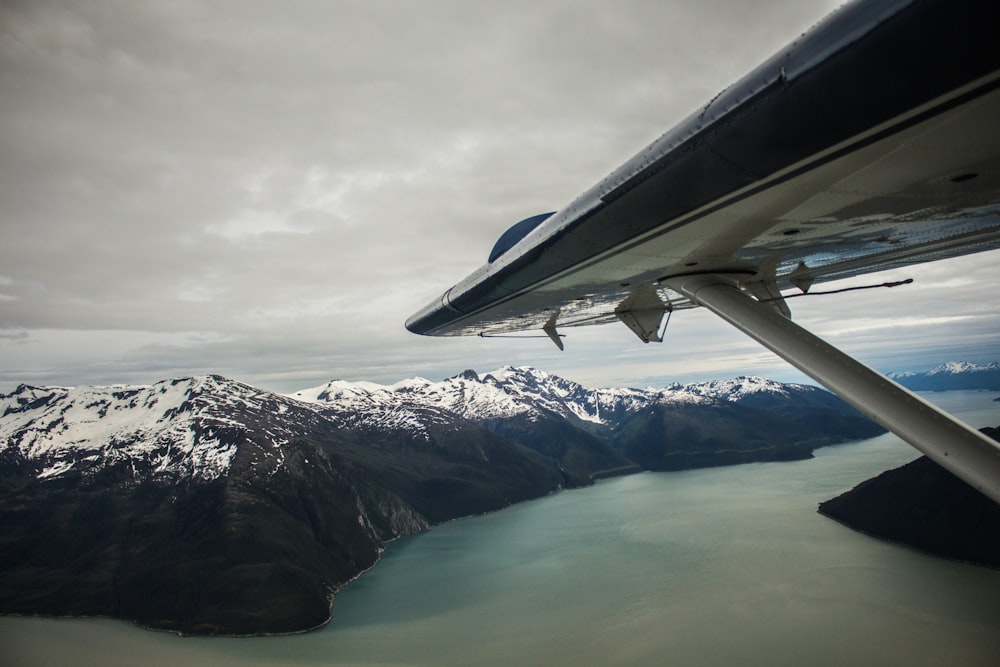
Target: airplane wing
[{"x": 871, "y": 142}]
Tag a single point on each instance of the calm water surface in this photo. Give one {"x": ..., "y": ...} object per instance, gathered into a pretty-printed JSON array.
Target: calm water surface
[{"x": 705, "y": 567}]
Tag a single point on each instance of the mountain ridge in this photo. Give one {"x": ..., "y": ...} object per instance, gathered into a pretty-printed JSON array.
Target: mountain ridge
[{"x": 950, "y": 376}]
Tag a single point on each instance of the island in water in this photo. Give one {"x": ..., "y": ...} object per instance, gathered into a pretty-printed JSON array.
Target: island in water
[{"x": 923, "y": 506}]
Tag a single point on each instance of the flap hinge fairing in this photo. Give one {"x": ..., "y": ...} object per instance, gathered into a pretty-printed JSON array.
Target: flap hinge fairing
[{"x": 643, "y": 312}]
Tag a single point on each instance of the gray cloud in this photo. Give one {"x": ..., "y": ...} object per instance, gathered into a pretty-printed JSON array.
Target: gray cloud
[{"x": 268, "y": 190}]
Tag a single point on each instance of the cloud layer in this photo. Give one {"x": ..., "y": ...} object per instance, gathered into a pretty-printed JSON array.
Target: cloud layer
[{"x": 267, "y": 190}]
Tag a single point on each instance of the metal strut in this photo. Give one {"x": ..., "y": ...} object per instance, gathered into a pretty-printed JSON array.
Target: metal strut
[{"x": 964, "y": 451}]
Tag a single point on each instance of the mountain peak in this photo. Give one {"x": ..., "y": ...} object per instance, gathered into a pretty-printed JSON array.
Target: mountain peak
[
  {"x": 737, "y": 388},
  {"x": 508, "y": 371},
  {"x": 467, "y": 374}
]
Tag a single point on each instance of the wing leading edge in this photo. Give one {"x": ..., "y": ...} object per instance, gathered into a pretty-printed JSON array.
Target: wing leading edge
[{"x": 870, "y": 143}]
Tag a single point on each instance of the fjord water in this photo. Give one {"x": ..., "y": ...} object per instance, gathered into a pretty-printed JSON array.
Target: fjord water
[{"x": 705, "y": 567}]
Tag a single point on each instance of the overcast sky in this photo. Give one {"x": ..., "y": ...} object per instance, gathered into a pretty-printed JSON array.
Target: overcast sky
[{"x": 267, "y": 190}]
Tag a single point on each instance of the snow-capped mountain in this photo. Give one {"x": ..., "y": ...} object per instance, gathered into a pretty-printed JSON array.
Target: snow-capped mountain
[
  {"x": 201, "y": 427},
  {"x": 528, "y": 392},
  {"x": 207, "y": 506},
  {"x": 957, "y": 367},
  {"x": 204, "y": 505},
  {"x": 187, "y": 427},
  {"x": 595, "y": 431},
  {"x": 738, "y": 388},
  {"x": 951, "y": 376},
  {"x": 463, "y": 395}
]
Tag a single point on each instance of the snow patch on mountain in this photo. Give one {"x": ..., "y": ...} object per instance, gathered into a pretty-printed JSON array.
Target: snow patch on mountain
[
  {"x": 739, "y": 388},
  {"x": 463, "y": 395}
]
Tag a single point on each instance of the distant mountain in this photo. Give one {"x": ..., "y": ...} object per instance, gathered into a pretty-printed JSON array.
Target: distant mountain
[
  {"x": 952, "y": 376},
  {"x": 206, "y": 506}
]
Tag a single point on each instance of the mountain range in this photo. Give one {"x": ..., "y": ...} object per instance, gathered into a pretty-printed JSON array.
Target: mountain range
[
  {"x": 952, "y": 376},
  {"x": 206, "y": 506}
]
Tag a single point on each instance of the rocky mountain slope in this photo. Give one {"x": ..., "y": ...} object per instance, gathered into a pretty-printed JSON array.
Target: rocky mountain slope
[{"x": 206, "y": 506}]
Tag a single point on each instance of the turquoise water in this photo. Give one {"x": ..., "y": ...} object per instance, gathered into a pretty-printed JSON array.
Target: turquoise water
[{"x": 705, "y": 567}]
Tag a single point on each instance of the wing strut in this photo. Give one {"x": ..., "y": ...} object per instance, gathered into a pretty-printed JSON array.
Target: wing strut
[{"x": 967, "y": 453}]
